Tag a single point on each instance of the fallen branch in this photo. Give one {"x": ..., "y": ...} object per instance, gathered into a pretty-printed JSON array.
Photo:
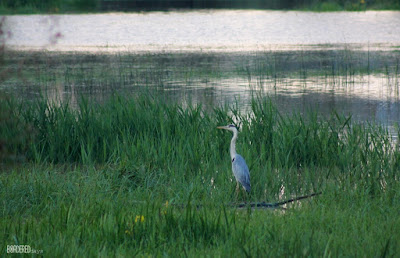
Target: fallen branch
[
  {"x": 251, "y": 205},
  {"x": 273, "y": 205}
]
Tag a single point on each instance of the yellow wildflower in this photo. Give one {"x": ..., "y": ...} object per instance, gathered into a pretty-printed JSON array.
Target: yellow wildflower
[{"x": 139, "y": 218}]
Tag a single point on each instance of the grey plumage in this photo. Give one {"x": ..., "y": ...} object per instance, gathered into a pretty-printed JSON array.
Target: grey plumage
[
  {"x": 241, "y": 172},
  {"x": 239, "y": 166}
]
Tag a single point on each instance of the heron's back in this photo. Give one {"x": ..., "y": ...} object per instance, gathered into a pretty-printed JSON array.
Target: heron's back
[{"x": 241, "y": 172}]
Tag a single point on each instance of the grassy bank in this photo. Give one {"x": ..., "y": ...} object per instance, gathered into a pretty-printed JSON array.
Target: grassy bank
[
  {"x": 83, "y": 6},
  {"x": 86, "y": 211},
  {"x": 103, "y": 179}
]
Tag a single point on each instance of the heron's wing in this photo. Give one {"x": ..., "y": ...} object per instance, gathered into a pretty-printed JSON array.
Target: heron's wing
[{"x": 241, "y": 171}]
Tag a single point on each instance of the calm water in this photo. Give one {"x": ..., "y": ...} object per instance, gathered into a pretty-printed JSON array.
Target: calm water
[
  {"x": 204, "y": 30},
  {"x": 348, "y": 62}
]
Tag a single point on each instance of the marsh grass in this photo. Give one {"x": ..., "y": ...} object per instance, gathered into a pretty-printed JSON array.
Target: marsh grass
[
  {"x": 150, "y": 134},
  {"x": 126, "y": 177}
]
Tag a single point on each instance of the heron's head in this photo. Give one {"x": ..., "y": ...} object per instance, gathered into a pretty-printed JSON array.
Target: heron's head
[{"x": 231, "y": 128}]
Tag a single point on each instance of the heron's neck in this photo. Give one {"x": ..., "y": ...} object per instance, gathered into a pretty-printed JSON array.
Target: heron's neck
[{"x": 233, "y": 145}]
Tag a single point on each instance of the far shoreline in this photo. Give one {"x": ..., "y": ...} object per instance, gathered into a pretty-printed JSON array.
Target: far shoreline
[{"x": 52, "y": 7}]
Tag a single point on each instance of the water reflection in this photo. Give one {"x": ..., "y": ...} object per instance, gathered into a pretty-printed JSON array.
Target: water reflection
[
  {"x": 364, "y": 84},
  {"x": 368, "y": 99}
]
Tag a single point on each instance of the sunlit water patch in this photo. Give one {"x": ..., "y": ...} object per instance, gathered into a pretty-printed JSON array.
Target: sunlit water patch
[{"x": 216, "y": 30}]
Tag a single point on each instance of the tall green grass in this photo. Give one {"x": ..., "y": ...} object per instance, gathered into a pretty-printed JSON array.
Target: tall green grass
[
  {"x": 182, "y": 143},
  {"x": 92, "y": 212},
  {"x": 127, "y": 177}
]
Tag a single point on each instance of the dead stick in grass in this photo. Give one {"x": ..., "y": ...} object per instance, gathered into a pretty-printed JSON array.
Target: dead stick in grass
[
  {"x": 275, "y": 204},
  {"x": 252, "y": 204}
]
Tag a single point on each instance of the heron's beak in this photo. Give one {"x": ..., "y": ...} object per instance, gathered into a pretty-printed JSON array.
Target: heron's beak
[{"x": 222, "y": 127}]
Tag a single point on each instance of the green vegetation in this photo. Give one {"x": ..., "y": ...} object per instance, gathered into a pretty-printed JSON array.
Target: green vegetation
[
  {"x": 48, "y": 6},
  {"x": 79, "y": 6},
  {"x": 143, "y": 174},
  {"x": 104, "y": 180},
  {"x": 354, "y": 5}
]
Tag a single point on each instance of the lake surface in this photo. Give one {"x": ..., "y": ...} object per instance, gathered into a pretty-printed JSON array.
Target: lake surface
[
  {"x": 343, "y": 61},
  {"x": 224, "y": 30}
]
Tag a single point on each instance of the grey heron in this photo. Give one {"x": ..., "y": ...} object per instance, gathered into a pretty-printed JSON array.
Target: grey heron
[{"x": 239, "y": 167}]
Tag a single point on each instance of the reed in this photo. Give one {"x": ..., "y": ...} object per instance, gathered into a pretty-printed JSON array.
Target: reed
[
  {"x": 182, "y": 141},
  {"x": 126, "y": 178}
]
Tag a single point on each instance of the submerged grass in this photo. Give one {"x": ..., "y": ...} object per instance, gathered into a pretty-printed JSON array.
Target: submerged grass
[
  {"x": 102, "y": 75},
  {"x": 111, "y": 179}
]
